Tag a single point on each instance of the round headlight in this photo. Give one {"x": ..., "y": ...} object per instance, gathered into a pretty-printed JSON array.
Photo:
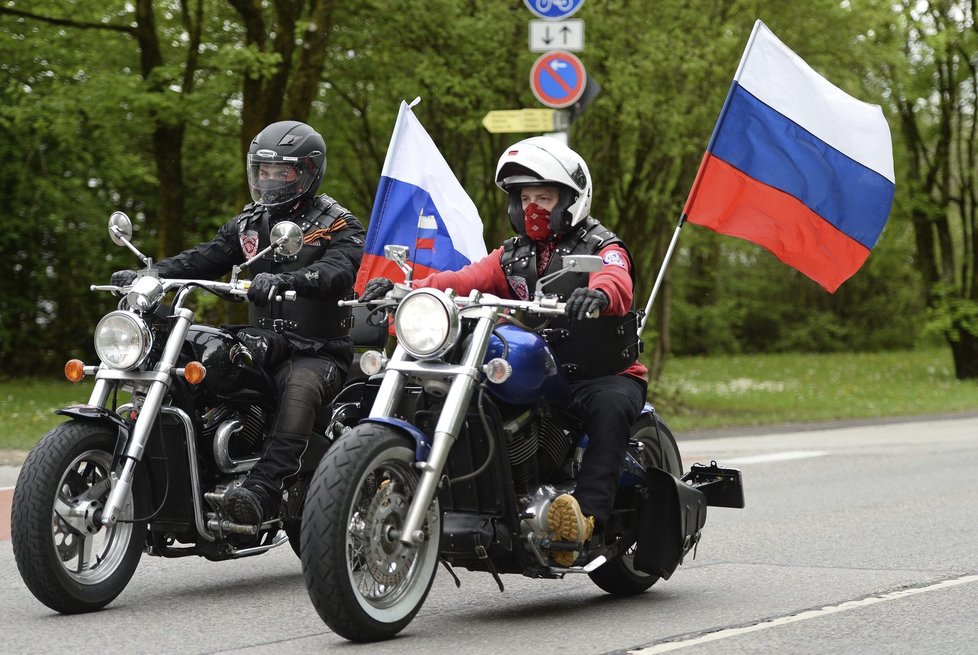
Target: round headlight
[
  {"x": 122, "y": 340},
  {"x": 426, "y": 323}
]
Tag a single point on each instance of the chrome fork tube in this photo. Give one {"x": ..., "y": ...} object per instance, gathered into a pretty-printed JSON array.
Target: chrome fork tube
[
  {"x": 147, "y": 417},
  {"x": 446, "y": 431},
  {"x": 390, "y": 388}
]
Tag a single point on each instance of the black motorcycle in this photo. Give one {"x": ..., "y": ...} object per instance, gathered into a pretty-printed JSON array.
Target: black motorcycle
[
  {"x": 461, "y": 442},
  {"x": 176, "y": 418}
]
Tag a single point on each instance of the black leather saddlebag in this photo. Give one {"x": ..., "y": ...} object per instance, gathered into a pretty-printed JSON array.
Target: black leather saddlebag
[{"x": 671, "y": 518}]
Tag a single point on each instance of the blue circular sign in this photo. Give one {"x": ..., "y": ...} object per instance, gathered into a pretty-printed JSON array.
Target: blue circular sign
[
  {"x": 558, "y": 79},
  {"x": 553, "y": 9}
]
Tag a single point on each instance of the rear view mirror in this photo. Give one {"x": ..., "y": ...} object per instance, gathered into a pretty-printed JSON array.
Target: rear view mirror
[
  {"x": 120, "y": 228},
  {"x": 583, "y": 263},
  {"x": 291, "y": 236}
]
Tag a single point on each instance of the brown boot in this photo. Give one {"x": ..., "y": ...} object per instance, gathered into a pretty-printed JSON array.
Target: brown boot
[{"x": 568, "y": 523}]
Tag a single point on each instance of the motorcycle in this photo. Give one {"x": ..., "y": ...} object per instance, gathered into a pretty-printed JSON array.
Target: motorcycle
[
  {"x": 150, "y": 474},
  {"x": 453, "y": 449}
]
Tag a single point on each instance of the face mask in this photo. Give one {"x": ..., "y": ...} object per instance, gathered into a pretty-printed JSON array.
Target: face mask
[{"x": 537, "y": 222}]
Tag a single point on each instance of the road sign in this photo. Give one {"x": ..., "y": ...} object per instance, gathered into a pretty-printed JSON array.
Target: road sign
[
  {"x": 546, "y": 35},
  {"x": 558, "y": 79},
  {"x": 555, "y": 9},
  {"x": 520, "y": 120}
]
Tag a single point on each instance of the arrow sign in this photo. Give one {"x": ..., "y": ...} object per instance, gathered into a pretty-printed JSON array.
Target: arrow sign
[
  {"x": 557, "y": 79},
  {"x": 546, "y": 35},
  {"x": 519, "y": 120}
]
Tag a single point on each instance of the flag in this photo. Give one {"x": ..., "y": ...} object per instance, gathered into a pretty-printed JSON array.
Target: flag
[
  {"x": 796, "y": 165},
  {"x": 419, "y": 204}
]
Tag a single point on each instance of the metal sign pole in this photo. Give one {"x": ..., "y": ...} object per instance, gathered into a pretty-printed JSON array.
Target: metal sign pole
[{"x": 662, "y": 274}]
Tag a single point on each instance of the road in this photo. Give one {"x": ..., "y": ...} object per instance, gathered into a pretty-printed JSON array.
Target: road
[{"x": 854, "y": 540}]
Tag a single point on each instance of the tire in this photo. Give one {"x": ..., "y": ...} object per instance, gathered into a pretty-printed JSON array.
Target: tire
[
  {"x": 618, "y": 576},
  {"x": 68, "y": 462},
  {"x": 366, "y": 585}
]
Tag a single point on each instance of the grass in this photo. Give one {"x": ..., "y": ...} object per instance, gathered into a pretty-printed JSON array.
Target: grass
[{"x": 695, "y": 393}]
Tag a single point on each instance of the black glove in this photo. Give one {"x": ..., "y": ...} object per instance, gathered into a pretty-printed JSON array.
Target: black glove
[
  {"x": 376, "y": 288},
  {"x": 583, "y": 301},
  {"x": 266, "y": 286},
  {"x": 123, "y": 278}
]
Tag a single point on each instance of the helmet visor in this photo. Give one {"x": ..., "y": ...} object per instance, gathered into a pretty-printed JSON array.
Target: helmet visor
[{"x": 275, "y": 181}]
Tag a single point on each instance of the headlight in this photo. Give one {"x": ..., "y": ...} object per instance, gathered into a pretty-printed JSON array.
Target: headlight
[
  {"x": 146, "y": 293},
  {"x": 427, "y": 323},
  {"x": 122, "y": 340}
]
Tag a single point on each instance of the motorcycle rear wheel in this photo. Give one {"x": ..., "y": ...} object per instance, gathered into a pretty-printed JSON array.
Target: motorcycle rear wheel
[
  {"x": 365, "y": 584},
  {"x": 67, "y": 562},
  {"x": 618, "y": 576}
]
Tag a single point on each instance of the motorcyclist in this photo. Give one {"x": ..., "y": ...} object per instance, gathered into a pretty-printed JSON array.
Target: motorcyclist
[
  {"x": 306, "y": 343},
  {"x": 549, "y": 189}
]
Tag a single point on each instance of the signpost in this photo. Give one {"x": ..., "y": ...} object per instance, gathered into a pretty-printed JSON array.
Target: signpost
[
  {"x": 520, "y": 120},
  {"x": 546, "y": 35},
  {"x": 557, "y": 79}
]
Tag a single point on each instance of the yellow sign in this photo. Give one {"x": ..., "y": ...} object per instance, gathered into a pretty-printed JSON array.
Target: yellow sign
[{"x": 520, "y": 120}]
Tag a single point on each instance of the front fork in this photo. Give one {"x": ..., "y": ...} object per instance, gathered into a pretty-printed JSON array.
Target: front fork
[
  {"x": 160, "y": 380},
  {"x": 449, "y": 420}
]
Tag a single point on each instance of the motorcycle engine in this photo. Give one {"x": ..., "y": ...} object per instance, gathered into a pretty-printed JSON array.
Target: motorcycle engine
[{"x": 538, "y": 445}]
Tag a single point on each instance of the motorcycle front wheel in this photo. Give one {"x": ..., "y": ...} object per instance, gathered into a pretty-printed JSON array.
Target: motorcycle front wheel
[
  {"x": 365, "y": 583},
  {"x": 67, "y": 561},
  {"x": 619, "y": 576}
]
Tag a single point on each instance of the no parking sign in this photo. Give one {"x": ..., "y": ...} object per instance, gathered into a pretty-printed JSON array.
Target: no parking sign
[{"x": 558, "y": 79}]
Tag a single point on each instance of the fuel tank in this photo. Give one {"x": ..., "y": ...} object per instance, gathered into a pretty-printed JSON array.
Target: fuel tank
[
  {"x": 230, "y": 373},
  {"x": 536, "y": 376}
]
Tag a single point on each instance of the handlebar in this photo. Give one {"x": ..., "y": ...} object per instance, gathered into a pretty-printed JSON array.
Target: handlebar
[
  {"x": 239, "y": 288},
  {"x": 546, "y": 305}
]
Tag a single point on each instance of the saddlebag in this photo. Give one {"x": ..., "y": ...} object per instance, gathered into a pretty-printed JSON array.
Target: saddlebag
[{"x": 671, "y": 517}]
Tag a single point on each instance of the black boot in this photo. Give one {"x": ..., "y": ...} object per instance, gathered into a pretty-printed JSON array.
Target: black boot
[{"x": 244, "y": 506}]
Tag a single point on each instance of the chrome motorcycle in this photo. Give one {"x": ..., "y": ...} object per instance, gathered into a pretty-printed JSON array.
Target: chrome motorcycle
[
  {"x": 461, "y": 441},
  {"x": 176, "y": 417}
]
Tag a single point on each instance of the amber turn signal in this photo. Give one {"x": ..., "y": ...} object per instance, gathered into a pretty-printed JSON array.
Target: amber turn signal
[
  {"x": 194, "y": 372},
  {"x": 75, "y": 370}
]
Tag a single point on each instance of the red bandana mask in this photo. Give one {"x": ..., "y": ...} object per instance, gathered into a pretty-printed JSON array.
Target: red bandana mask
[{"x": 537, "y": 223}]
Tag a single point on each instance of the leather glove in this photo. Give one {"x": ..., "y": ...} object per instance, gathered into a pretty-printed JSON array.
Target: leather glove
[
  {"x": 583, "y": 301},
  {"x": 123, "y": 278},
  {"x": 376, "y": 288},
  {"x": 265, "y": 286}
]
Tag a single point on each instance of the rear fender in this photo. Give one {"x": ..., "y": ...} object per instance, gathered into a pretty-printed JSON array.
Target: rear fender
[{"x": 422, "y": 445}]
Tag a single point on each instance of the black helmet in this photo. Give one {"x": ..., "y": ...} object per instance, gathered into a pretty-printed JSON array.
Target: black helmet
[{"x": 286, "y": 162}]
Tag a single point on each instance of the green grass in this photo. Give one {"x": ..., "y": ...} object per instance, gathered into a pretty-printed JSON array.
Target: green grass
[
  {"x": 698, "y": 393},
  {"x": 695, "y": 393}
]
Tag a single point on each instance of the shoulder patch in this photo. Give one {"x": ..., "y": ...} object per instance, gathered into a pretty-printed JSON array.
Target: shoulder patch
[{"x": 614, "y": 258}]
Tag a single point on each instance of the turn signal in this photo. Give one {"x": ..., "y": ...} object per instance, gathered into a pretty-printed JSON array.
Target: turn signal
[
  {"x": 498, "y": 370},
  {"x": 194, "y": 372},
  {"x": 372, "y": 362},
  {"x": 75, "y": 370}
]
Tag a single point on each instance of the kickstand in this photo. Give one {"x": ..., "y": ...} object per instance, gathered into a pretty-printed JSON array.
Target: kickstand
[
  {"x": 451, "y": 572},
  {"x": 481, "y": 552}
]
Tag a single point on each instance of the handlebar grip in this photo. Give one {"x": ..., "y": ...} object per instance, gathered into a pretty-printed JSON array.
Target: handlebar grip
[{"x": 287, "y": 296}]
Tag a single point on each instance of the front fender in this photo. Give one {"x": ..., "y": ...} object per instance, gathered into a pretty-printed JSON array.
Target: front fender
[
  {"x": 422, "y": 446},
  {"x": 94, "y": 413}
]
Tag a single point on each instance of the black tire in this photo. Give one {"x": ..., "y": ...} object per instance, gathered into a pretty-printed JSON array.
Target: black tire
[
  {"x": 618, "y": 576},
  {"x": 60, "y": 472},
  {"x": 366, "y": 585}
]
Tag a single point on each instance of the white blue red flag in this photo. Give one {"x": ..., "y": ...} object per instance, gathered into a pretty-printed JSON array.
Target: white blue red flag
[
  {"x": 419, "y": 204},
  {"x": 796, "y": 165}
]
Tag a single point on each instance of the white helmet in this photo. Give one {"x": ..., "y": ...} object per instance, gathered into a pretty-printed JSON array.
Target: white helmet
[{"x": 543, "y": 160}]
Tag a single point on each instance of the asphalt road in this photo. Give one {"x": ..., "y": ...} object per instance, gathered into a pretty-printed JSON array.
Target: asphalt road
[{"x": 854, "y": 540}]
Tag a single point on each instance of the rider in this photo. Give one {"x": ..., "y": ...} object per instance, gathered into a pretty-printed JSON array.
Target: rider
[
  {"x": 549, "y": 189},
  {"x": 305, "y": 342}
]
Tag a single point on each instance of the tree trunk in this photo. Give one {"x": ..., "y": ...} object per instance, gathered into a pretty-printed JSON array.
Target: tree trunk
[{"x": 964, "y": 350}]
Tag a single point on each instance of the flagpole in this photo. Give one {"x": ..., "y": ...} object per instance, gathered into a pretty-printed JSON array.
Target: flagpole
[{"x": 662, "y": 274}]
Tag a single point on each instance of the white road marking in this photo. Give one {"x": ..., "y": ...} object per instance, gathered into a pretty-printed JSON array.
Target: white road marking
[
  {"x": 802, "y": 616},
  {"x": 774, "y": 457}
]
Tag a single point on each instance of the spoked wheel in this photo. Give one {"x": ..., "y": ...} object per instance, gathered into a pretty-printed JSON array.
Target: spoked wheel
[
  {"x": 619, "y": 576},
  {"x": 365, "y": 583},
  {"x": 68, "y": 562}
]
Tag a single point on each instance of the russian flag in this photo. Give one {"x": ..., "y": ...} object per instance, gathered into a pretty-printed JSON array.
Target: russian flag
[
  {"x": 796, "y": 165},
  {"x": 419, "y": 204}
]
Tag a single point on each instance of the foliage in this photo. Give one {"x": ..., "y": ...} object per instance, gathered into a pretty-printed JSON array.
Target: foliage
[{"x": 147, "y": 106}]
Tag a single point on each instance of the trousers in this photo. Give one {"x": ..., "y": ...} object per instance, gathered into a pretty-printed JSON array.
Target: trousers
[
  {"x": 608, "y": 406},
  {"x": 305, "y": 384}
]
